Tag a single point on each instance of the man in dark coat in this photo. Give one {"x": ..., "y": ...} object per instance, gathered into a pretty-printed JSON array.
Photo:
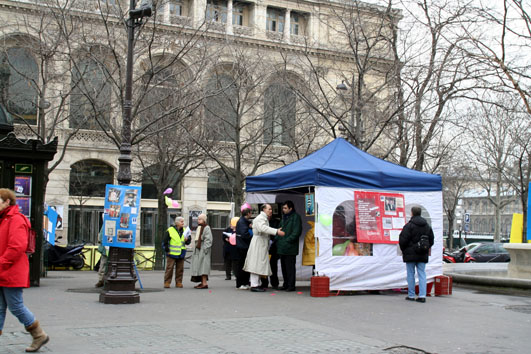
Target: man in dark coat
[
  {"x": 243, "y": 239},
  {"x": 409, "y": 238},
  {"x": 288, "y": 245}
]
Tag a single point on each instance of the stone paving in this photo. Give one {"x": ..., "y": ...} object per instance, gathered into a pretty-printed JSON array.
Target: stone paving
[{"x": 223, "y": 319}]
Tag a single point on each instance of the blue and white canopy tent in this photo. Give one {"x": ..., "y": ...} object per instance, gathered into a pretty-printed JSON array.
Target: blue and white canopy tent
[{"x": 361, "y": 203}]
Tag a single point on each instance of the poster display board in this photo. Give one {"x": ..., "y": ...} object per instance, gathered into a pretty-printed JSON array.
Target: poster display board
[
  {"x": 379, "y": 216},
  {"x": 122, "y": 205},
  {"x": 50, "y": 224},
  {"x": 23, "y": 193},
  {"x": 354, "y": 265}
]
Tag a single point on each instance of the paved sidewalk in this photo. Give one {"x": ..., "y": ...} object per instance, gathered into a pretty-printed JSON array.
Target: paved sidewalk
[{"x": 223, "y": 319}]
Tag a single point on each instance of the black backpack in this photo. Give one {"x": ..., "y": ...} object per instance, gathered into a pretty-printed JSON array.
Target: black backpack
[{"x": 423, "y": 246}]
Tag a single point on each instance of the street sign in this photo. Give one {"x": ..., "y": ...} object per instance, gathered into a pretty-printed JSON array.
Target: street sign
[
  {"x": 467, "y": 218},
  {"x": 467, "y": 227}
]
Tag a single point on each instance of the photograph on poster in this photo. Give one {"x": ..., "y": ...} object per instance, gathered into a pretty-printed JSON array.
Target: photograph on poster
[
  {"x": 23, "y": 185},
  {"x": 110, "y": 239},
  {"x": 125, "y": 236},
  {"x": 110, "y": 228},
  {"x": 387, "y": 223},
  {"x": 114, "y": 195},
  {"x": 192, "y": 218},
  {"x": 389, "y": 205},
  {"x": 309, "y": 204},
  {"x": 124, "y": 220},
  {"x": 344, "y": 236},
  {"x": 130, "y": 198},
  {"x": 113, "y": 211}
]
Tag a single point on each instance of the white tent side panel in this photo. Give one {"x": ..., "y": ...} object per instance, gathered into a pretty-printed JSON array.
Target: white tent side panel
[{"x": 384, "y": 269}]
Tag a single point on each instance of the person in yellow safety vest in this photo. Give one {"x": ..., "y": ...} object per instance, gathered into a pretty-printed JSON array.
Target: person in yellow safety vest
[{"x": 174, "y": 245}]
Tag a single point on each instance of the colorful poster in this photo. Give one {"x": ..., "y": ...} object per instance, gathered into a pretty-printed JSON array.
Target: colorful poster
[
  {"x": 50, "y": 224},
  {"x": 121, "y": 213},
  {"x": 23, "y": 185},
  {"x": 380, "y": 216},
  {"x": 309, "y": 203},
  {"x": 24, "y": 205}
]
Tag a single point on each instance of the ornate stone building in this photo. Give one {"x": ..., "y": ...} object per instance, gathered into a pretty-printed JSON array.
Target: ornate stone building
[{"x": 66, "y": 61}]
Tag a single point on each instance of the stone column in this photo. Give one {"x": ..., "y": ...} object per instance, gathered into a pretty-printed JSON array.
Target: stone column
[
  {"x": 259, "y": 19},
  {"x": 287, "y": 24},
  {"x": 197, "y": 12},
  {"x": 311, "y": 28},
  {"x": 229, "y": 17}
]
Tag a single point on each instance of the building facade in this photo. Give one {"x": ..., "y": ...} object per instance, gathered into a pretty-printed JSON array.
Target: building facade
[{"x": 255, "y": 63}]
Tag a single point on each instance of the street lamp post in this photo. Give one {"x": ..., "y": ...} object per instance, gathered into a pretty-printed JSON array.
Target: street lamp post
[
  {"x": 355, "y": 121},
  {"x": 120, "y": 276}
]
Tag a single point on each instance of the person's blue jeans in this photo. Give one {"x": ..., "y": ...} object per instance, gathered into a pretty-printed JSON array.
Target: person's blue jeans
[
  {"x": 421, "y": 269},
  {"x": 11, "y": 298}
]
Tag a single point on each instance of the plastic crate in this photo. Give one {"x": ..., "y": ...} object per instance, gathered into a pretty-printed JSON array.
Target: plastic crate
[{"x": 443, "y": 285}]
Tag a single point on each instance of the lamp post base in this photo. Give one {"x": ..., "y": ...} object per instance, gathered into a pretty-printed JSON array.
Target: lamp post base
[{"x": 120, "y": 278}]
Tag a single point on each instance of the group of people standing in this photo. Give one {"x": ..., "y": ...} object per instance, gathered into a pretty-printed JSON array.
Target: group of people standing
[
  {"x": 254, "y": 251},
  {"x": 259, "y": 246},
  {"x": 174, "y": 244}
]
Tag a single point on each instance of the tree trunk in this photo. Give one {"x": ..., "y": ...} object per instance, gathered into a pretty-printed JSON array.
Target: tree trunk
[{"x": 162, "y": 216}]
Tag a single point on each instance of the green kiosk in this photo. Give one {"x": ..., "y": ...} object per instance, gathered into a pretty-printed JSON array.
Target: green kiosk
[{"x": 22, "y": 167}]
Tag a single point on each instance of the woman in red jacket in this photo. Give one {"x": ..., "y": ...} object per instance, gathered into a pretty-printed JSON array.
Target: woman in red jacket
[{"x": 14, "y": 268}]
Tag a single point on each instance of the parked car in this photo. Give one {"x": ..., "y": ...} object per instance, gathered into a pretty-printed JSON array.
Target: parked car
[{"x": 487, "y": 252}]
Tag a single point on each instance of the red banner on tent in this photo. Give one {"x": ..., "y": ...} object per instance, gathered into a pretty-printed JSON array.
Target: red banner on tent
[{"x": 379, "y": 216}]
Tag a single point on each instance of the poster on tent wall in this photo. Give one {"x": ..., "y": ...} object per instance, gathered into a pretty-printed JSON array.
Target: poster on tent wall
[
  {"x": 122, "y": 204},
  {"x": 379, "y": 216},
  {"x": 355, "y": 265}
]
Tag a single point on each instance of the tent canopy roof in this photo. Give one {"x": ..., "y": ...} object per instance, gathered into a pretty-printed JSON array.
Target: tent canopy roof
[{"x": 340, "y": 164}]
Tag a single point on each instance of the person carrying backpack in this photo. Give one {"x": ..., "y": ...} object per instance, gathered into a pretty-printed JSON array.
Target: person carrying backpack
[
  {"x": 416, "y": 239},
  {"x": 14, "y": 268}
]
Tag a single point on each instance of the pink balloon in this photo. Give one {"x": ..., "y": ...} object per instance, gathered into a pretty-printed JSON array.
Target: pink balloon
[
  {"x": 175, "y": 204},
  {"x": 167, "y": 191}
]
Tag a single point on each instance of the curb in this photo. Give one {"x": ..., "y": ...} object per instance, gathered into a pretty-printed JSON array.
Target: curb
[{"x": 490, "y": 281}]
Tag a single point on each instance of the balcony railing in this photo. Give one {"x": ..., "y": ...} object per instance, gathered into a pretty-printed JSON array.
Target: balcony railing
[
  {"x": 243, "y": 30},
  {"x": 276, "y": 36},
  {"x": 181, "y": 21}
]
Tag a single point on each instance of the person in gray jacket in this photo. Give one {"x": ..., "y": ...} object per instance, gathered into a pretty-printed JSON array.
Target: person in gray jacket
[{"x": 201, "y": 255}]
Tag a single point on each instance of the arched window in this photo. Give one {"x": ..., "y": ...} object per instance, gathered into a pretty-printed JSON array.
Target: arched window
[
  {"x": 221, "y": 107},
  {"x": 153, "y": 177},
  {"x": 19, "y": 75},
  {"x": 279, "y": 114},
  {"x": 89, "y": 177},
  {"x": 219, "y": 187},
  {"x": 91, "y": 95},
  {"x": 165, "y": 96}
]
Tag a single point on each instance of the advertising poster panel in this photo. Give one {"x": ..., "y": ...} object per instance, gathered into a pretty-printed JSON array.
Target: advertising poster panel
[
  {"x": 380, "y": 216},
  {"x": 122, "y": 205}
]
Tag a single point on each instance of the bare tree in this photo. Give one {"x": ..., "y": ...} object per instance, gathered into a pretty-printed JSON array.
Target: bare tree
[
  {"x": 168, "y": 152},
  {"x": 494, "y": 129},
  {"x": 355, "y": 97},
  {"x": 36, "y": 59},
  {"x": 436, "y": 75},
  {"x": 251, "y": 116},
  {"x": 456, "y": 181},
  {"x": 500, "y": 46},
  {"x": 520, "y": 173}
]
